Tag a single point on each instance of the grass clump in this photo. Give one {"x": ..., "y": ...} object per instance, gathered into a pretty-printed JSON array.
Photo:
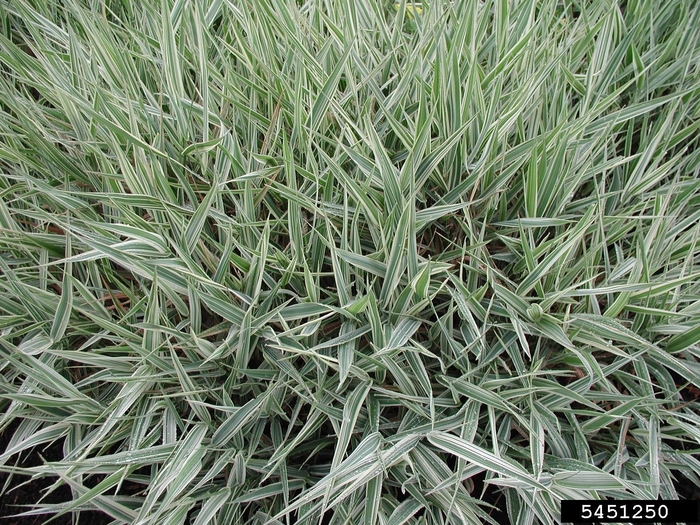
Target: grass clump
[{"x": 349, "y": 262}]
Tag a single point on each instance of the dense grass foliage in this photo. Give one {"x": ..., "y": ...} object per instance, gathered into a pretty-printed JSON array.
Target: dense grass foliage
[{"x": 350, "y": 262}]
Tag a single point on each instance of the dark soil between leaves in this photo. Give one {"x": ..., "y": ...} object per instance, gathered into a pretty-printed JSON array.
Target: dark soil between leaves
[{"x": 17, "y": 497}]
